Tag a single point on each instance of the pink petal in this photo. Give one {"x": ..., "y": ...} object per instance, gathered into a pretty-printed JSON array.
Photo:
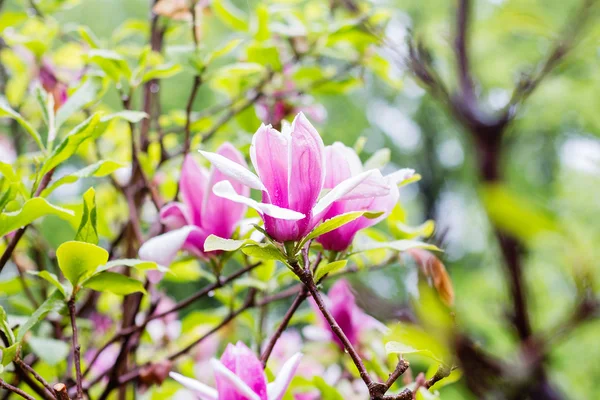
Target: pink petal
[
  {"x": 192, "y": 184},
  {"x": 234, "y": 170},
  {"x": 230, "y": 386},
  {"x": 277, "y": 388},
  {"x": 203, "y": 391},
  {"x": 249, "y": 368},
  {"x": 220, "y": 215},
  {"x": 270, "y": 154},
  {"x": 225, "y": 190},
  {"x": 307, "y": 166},
  {"x": 175, "y": 216},
  {"x": 341, "y": 163}
]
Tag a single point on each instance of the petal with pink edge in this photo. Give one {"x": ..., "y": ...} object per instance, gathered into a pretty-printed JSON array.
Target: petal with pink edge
[
  {"x": 307, "y": 165},
  {"x": 344, "y": 188},
  {"x": 163, "y": 249},
  {"x": 175, "y": 216},
  {"x": 277, "y": 388},
  {"x": 270, "y": 154},
  {"x": 228, "y": 381},
  {"x": 220, "y": 216},
  {"x": 203, "y": 391},
  {"x": 192, "y": 184},
  {"x": 249, "y": 368},
  {"x": 225, "y": 190},
  {"x": 233, "y": 170}
]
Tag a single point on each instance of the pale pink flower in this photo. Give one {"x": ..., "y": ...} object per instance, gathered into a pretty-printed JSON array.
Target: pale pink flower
[
  {"x": 342, "y": 163},
  {"x": 239, "y": 375},
  {"x": 201, "y": 213},
  {"x": 291, "y": 175}
]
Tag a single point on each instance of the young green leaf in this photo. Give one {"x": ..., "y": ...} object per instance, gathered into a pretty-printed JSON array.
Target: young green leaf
[
  {"x": 69, "y": 145},
  {"x": 10, "y": 353},
  {"x": 111, "y": 62},
  {"x": 78, "y": 260},
  {"x": 55, "y": 303},
  {"x": 4, "y": 327},
  {"x": 87, "y": 231},
  {"x": 31, "y": 210},
  {"x": 6, "y": 111},
  {"x": 161, "y": 72},
  {"x": 84, "y": 95},
  {"x": 264, "y": 252},
  {"x": 97, "y": 170},
  {"x": 140, "y": 265},
  {"x": 330, "y": 268},
  {"x": 213, "y": 243},
  {"x": 114, "y": 283},
  {"x": 53, "y": 279},
  {"x": 397, "y": 245},
  {"x": 337, "y": 221},
  {"x": 230, "y": 15}
]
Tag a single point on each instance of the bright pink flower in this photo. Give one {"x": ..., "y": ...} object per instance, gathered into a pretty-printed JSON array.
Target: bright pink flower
[
  {"x": 343, "y": 163},
  {"x": 201, "y": 213},
  {"x": 351, "y": 319},
  {"x": 240, "y": 376},
  {"x": 291, "y": 174},
  {"x": 53, "y": 85}
]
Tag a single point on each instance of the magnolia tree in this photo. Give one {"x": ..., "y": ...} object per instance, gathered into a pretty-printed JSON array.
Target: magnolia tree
[{"x": 174, "y": 226}]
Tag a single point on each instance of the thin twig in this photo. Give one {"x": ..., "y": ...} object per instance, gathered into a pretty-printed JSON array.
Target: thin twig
[
  {"x": 16, "y": 390},
  {"x": 37, "y": 376},
  {"x": 76, "y": 348},
  {"x": 60, "y": 390},
  {"x": 283, "y": 325}
]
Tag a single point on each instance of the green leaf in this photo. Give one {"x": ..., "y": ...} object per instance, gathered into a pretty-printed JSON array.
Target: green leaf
[
  {"x": 264, "y": 54},
  {"x": 88, "y": 36},
  {"x": 97, "y": 170},
  {"x": 337, "y": 221},
  {"x": 262, "y": 31},
  {"x": 87, "y": 231},
  {"x": 222, "y": 51},
  {"x": 140, "y": 265},
  {"x": 51, "y": 351},
  {"x": 32, "y": 209},
  {"x": 53, "y": 279},
  {"x": 397, "y": 245},
  {"x": 5, "y": 327},
  {"x": 401, "y": 348},
  {"x": 213, "y": 243},
  {"x": 129, "y": 116},
  {"x": 78, "y": 260},
  {"x": 111, "y": 63},
  {"x": 9, "y": 354},
  {"x": 6, "y": 111},
  {"x": 79, "y": 134},
  {"x": 114, "y": 283},
  {"x": 327, "y": 391},
  {"x": 230, "y": 15},
  {"x": 330, "y": 268},
  {"x": 264, "y": 252},
  {"x": 84, "y": 95},
  {"x": 55, "y": 303},
  {"x": 161, "y": 72}
]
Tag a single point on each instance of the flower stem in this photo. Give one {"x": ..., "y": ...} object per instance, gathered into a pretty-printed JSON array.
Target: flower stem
[{"x": 76, "y": 348}]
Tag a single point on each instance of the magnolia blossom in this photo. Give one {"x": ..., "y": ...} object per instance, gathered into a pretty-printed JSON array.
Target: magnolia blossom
[
  {"x": 201, "y": 212},
  {"x": 352, "y": 320},
  {"x": 167, "y": 328},
  {"x": 53, "y": 85},
  {"x": 342, "y": 163},
  {"x": 291, "y": 175},
  {"x": 239, "y": 375}
]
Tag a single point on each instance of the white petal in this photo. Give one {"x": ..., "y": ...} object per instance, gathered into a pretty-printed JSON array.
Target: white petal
[
  {"x": 225, "y": 189},
  {"x": 400, "y": 176},
  {"x": 234, "y": 170},
  {"x": 341, "y": 190},
  {"x": 233, "y": 379},
  {"x": 205, "y": 392},
  {"x": 276, "y": 389},
  {"x": 163, "y": 249}
]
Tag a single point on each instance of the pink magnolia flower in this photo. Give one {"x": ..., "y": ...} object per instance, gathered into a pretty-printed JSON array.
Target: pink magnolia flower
[
  {"x": 239, "y": 375},
  {"x": 53, "y": 85},
  {"x": 165, "y": 329},
  {"x": 352, "y": 320},
  {"x": 201, "y": 212},
  {"x": 291, "y": 175},
  {"x": 342, "y": 163}
]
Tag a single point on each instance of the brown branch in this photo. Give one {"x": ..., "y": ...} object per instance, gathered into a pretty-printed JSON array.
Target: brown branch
[
  {"x": 60, "y": 390},
  {"x": 16, "y": 390},
  {"x": 283, "y": 325},
  {"x": 76, "y": 348},
  {"x": 37, "y": 376}
]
